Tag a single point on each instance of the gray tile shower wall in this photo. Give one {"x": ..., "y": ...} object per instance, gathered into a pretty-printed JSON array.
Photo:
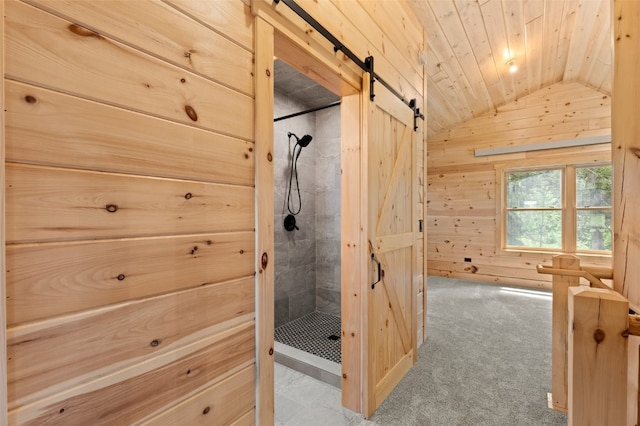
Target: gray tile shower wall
[
  {"x": 307, "y": 260},
  {"x": 295, "y": 251},
  {"x": 328, "y": 211}
]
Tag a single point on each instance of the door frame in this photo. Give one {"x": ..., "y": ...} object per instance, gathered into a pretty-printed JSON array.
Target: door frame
[
  {"x": 276, "y": 37},
  {"x": 3, "y": 324}
]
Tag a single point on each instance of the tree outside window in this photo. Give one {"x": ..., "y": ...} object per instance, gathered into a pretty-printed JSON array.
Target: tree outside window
[
  {"x": 534, "y": 209},
  {"x": 560, "y": 209},
  {"x": 593, "y": 208}
]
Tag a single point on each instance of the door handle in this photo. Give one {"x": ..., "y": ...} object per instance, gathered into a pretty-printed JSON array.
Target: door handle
[{"x": 379, "y": 266}]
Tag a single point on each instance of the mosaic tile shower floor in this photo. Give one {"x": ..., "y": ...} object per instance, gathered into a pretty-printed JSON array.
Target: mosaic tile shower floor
[{"x": 314, "y": 333}]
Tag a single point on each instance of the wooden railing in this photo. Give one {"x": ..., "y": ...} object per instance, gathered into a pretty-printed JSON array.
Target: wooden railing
[{"x": 590, "y": 328}]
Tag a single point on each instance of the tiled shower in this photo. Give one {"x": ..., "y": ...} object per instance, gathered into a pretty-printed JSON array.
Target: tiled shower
[{"x": 307, "y": 260}]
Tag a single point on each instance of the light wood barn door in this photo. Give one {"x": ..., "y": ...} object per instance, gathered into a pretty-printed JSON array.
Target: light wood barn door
[{"x": 392, "y": 242}]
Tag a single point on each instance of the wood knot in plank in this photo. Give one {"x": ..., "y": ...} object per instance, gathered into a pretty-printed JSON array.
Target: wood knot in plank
[
  {"x": 635, "y": 151},
  {"x": 206, "y": 410},
  {"x": 473, "y": 269},
  {"x": 111, "y": 208},
  {"x": 264, "y": 260},
  {"x": 191, "y": 112},
  {"x": 30, "y": 99},
  {"x": 82, "y": 31},
  {"x": 598, "y": 336}
]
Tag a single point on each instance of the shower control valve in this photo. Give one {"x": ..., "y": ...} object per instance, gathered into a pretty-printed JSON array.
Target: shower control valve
[{"x": 290, "y": 223}]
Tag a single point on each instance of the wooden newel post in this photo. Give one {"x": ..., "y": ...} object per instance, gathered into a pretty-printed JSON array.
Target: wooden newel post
[
  {"x": 560, "y": 321},
  {"x": 598, "y": 324}
]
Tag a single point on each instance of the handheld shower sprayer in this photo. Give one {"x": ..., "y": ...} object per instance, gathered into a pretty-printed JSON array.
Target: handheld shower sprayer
[{"x": 304, "y": 141}]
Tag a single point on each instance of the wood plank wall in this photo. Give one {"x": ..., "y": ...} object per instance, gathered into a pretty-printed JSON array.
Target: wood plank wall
[
  {"x": 462, "y": 189},
  {"x": 130, "y": 199},
  {"x": 130, "y": 212}
]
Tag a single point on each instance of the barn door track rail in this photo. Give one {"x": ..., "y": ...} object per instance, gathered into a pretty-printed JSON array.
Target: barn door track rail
[{"x": 367, "y": 65}]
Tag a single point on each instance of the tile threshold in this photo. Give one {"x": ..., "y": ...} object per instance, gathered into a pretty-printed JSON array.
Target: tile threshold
[{"x": 319, "y": 368}]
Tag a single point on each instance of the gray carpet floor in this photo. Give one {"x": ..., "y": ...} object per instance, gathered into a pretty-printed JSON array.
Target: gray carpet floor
[{"x": 487, "y": 361}]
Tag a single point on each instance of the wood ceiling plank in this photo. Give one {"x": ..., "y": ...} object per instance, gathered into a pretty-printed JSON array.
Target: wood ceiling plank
[
  {"x": 533, "y": 9},
  {"x": 533, "y": 31},
  {"x": 606, "y": 85},
  {"x": 564, "y": 41},
  {"x": 471, "y": 17},
  {"x": 434, "y": 89},
  {"x": 419, "y": 9},
  {"x": 496, "y": 33},
  {"x": 435, "y": 126},
  {"x": 596, "y": 42},
  {"x": 456, "y": 81},
  {"x": 551, "y": 38},
  {"x": 599, "y": 61},
  {"x": 451, "y": 24},
  {"x": 514, "y": 25},
  {"x": 586, "y": 18}
]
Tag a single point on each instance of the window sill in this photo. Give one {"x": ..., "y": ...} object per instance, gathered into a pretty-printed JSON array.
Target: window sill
[{"x": 586, "y": 255}]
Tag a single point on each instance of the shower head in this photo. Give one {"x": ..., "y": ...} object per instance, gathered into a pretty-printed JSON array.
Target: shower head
[{"x": 303, "y": 141}]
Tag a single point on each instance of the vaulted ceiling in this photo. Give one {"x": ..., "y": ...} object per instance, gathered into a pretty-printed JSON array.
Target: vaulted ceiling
[{"x": 470, "y": 42}]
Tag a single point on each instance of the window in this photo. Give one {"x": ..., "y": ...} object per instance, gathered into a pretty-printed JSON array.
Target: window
[
  {"x": 534, "y": 209},
  {"x": 558, "y": 209},
  {"x": 593, "y": 208}
]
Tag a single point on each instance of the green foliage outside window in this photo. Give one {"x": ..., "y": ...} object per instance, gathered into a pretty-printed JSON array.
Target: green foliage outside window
[
  {"x": 534, "y": 189},
  {"x": 534, "y": 202},
  {"x": 593, "y": 203}
]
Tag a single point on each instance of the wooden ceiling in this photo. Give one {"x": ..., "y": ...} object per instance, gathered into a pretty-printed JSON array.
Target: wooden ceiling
[{"x": 469, "y": 44}]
